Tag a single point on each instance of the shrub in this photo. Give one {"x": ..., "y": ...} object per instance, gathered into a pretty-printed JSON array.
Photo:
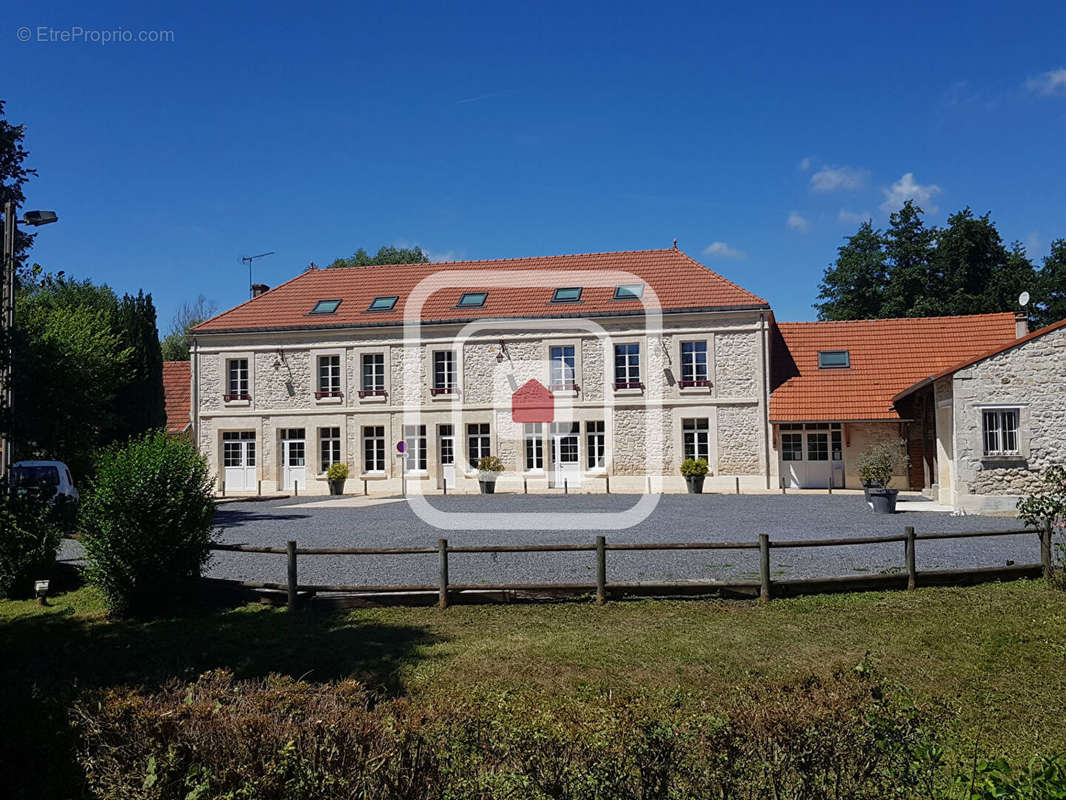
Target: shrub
[
  {"x": 878, "y": 464},
  {"x": 694, "y": 467},
  {"x": 31, "y": 531},
  {"x": 489, "y": 464},
  {"x": 1045, "y": 508},
  {"x": 844, "y": 737},
  {"x": 338, "y": 471},
  {"x": 146, "y": 523}
]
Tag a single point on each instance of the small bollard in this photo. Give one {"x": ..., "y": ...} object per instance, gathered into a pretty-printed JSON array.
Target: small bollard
[
  {"x": 259, "y": 488},
  {"x": 295, "y": 488},
  {"x": 566, "y": 486},
  {"x": 525, "y": 485},
  {"x": 738, "y": 484},
  {"x": 607, "y": 480},
  {"x": 365, "y": 490}
]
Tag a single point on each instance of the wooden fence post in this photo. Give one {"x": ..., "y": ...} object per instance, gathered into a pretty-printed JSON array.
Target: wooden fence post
[
  {"x": 1045, "y": 551},
  {"x": 764, "y": 567},
  {"x": 290, "y": 600},
  {"x": 442, "y": 548},
  {"x": 601, "y": 570},
  {"x": 912, "y": 571}
]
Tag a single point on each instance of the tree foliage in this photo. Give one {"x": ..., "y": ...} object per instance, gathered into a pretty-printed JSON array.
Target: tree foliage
[
  {"x": 385, "y": 255},
  {"x": 915, "y": 270},
  {"x": 13, "y": 176},
  {"x": 140, "y": 405},
  {"x": 175, "y": 346}
]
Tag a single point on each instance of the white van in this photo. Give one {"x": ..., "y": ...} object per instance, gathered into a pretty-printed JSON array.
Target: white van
[{"x": 45, "y": 475}]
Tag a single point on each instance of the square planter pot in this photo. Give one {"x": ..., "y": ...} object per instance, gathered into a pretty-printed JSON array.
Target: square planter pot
[
  {"x": 883, "y": 500},
  {"x": 487, "y": 487},
  {"x": 867, "y": 486},
  {"x": 695, "y": 483},
  {"x": 336, "y": 485}
]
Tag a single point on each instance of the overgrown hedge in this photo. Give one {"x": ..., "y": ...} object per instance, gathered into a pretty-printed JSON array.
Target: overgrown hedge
[
  {"x": 31, "y": 530},
  {"x": 147, "y": 522},
  {"x": 279, "y": 738}
]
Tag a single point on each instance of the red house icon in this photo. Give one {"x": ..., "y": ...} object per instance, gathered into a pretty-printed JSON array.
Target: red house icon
[{"x": 532, "y": 402}]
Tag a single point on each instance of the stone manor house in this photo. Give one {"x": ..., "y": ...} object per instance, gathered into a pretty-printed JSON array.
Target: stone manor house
[{"x": 582, "y": 369}]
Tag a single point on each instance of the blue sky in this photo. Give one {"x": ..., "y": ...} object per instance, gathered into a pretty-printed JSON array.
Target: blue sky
[{"x": 757, "y": 135}]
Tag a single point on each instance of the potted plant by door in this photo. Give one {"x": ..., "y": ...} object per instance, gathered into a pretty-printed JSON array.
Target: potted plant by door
[
  {"x": 488, "y": 470},
  {"x": 336, "y": 475},
  {"x": 876, "y": 468},
  {"x": 695, "y": 472}
]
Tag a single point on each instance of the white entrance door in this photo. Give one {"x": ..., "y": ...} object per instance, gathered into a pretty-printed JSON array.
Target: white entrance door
[
  {"x": 566, "y": 458},
  {"x": 293, "y": 459},
  {"x": 447, "y": 456},
  {"x": 238, "y": 461},
  {"x": 812, "y": 456}
]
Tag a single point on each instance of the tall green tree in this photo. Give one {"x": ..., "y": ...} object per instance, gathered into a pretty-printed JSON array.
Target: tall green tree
[
  {"x": 385, "y": 255},
  {"x": 854, "y": 286},
  {"x": 1049, "y": 297},
  {"x": 139, "y": 402},
  {"x": 13, "y": 176},
  {"x": 909, "y": 249}
]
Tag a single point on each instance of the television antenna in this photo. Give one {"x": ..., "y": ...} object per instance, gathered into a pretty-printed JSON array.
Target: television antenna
[{"x": 248, "y": 260}]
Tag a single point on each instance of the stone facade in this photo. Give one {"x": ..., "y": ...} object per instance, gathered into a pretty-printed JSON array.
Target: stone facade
[
  {"x": 1030, "y": 378},
  {"x": 283, "y": 377}
]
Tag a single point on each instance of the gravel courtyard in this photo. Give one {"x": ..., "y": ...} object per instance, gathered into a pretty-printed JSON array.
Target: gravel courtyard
[{"x": 678, "y": 518}]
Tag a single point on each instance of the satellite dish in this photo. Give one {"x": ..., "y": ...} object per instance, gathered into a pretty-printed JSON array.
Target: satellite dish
[{"x": 1023, "y": 299}]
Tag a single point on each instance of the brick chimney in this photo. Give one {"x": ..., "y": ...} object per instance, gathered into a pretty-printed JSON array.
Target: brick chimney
[
  {"x": 1021, "y": 324},
  {"x": 258, "y": 289}
]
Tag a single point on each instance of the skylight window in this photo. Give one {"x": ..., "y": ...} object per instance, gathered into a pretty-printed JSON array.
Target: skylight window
[
  {"x": 325, "y": 306},
  {"x": 569, "y": 295},
  {"x": 473, "y": 299},
  {"x": 834, "y": 359},
  {"x": 383, "y": 303},
  {"x": 631, "y": 291}
]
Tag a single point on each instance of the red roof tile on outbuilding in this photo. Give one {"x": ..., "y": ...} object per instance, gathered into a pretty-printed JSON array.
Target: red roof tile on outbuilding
[
  {"x": 176, "y": 388},
  {"x": 887, "y": 356},
  {"x": 679, "y": 281}
]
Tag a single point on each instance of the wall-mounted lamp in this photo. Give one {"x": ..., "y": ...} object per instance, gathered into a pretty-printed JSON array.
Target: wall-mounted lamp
[{"x": 502, "y": 354}]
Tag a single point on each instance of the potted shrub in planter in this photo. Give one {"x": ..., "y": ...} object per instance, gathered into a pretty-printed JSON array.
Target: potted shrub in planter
[
  {"x": 336, "y": 475},
  {"x": 695, "y": 471},
  {"x": 488, "y": 470},
  {"x": 876, "y": 468}
]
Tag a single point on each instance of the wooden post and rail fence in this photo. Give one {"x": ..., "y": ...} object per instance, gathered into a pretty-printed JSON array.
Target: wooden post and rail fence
[{"x": 765, "y": 588}]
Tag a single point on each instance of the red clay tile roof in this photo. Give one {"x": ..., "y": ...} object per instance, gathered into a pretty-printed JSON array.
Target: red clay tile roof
[
  {"x": 176, "y": 383},
  {"x": 680, "y": 282},
  {"x": 887, "y": 355},
  {"x": 971, "y": 360}
]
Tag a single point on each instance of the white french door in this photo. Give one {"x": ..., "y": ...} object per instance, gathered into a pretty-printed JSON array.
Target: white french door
[
  {"x": 812, "y": 456},
  {"x": 238, "y": 461},
  {"x": 446, "y": 440},
  {"x": 566, "y": 456},
  {"x": 293, "y": 459}
]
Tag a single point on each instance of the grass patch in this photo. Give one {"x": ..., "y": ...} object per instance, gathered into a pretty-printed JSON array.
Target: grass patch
[{"x": 994, "y": 653}]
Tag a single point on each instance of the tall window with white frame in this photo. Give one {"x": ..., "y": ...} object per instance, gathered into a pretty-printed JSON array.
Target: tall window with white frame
[
  {"x": 695, "y": 438},
  {"x": 329, "y": 377},
  {"x": 237, "y": 379},
  {"x": 374, "y": 448},
  {"x": 627, "y": 366},
  {"x": 415, "y": 438},
  {"x": 694, "y": 364},
  {"x": 534, "y": 436},
  {"x": 477, "y": 442},
  {"x": 373, "y": 380},
  {"x": 596, "y": 440},
  {"x": 563, "y": 361},
  {"x": 329, "y": 447},
  {"x": 443, "y": 372},
  {"x": 1000, "y": 429}
]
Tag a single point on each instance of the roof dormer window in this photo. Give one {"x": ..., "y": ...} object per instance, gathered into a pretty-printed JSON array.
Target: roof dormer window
[
  {"x": 473, "y": 299},
  {"x": 325, "y": 306},
  {"x": 834, "y": 359},
  {"x": 383, "y": 303}
]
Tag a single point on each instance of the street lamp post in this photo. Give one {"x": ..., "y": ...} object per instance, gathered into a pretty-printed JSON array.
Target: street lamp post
[{"x": 36, "y": 219}]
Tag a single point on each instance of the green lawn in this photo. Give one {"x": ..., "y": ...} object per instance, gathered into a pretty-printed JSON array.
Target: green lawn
[{"x": 996, "y": 654}]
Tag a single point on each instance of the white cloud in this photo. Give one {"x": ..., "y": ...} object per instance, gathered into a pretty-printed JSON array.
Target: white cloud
[
  {"x": 832, "y": 179},
  {"x": 722, "y": 250},
  {"x": 1051, "y": 82},
  {"x": 853, "y": 217},
  {"x": 907, "y": 189},
  {"x": 806, "y": 163},
  {"x": 797, "y": 223}
]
